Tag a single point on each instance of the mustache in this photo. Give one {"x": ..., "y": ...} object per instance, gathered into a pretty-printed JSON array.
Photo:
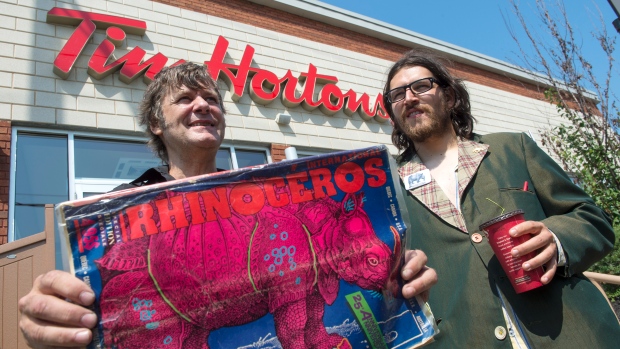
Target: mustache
[{"x": 421, "y": 108}]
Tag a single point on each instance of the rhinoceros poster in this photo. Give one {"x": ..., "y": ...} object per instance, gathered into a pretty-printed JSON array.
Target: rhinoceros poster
[{"x": 298, "y": 254}]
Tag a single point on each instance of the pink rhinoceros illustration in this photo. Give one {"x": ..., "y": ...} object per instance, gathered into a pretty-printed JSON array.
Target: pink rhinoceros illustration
[{"x": 229, "y": 272}]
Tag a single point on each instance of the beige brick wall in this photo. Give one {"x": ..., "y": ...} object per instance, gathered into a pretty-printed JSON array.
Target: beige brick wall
[{"x": 32, "y": 95}]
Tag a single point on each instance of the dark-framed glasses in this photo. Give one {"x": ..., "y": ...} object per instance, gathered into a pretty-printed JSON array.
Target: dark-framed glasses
[{"x": 418, "y": 87}]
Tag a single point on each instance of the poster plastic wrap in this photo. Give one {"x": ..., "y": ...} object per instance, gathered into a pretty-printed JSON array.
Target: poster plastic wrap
[{"x": 303, "y": 253}]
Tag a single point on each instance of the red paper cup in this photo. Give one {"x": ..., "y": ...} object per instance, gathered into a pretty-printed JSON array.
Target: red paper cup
[{"x": 502, "y": 243}]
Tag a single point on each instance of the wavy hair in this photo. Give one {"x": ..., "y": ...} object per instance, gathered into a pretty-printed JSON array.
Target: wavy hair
[
  {"x": 190, "y": 75},
  {"x": 460, "y": 113}
]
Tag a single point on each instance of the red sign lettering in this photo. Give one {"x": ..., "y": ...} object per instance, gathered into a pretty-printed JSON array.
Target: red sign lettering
[
  {"x": 86, "y": 23},
  {"x": 264, "y": 86}
]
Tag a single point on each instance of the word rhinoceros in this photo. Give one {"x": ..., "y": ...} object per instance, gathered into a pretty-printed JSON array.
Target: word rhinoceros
[{"x": 230, "y": 272}]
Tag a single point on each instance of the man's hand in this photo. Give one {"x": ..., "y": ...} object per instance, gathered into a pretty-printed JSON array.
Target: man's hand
[
  {"x": 48, "y": 320},
  {"x": 541, "y": 243},
  {"x": 418, "y": 277}
]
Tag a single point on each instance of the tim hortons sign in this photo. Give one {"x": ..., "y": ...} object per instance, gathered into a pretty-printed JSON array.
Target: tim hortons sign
[{"x": 264, "y": 86}]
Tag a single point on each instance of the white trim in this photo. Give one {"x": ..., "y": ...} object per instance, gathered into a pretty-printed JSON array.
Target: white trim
[
  {"x": 71, "y": 165},
  {"x": 117, "y": 181},
  {"x": 80, "y": 133},
  {"x": 233, "y": 157},
  {"x": 99, "y": 185}
]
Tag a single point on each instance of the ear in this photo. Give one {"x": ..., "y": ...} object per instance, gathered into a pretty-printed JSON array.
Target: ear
[
  {"x": 450, "y": 97},
  {"x": 156, "y": 129}
]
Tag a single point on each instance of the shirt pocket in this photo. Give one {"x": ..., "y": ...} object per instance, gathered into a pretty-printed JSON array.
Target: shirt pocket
[{"x": 514, "y": 198}]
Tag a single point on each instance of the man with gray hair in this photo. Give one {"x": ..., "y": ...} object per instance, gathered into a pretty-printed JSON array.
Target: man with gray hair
[
  {"x": 184, "y": 117},
  {"x": 183, "y": 113}
]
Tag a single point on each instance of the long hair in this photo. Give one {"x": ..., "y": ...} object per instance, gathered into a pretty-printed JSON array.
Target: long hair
[
  {"x": 190, "y": 75},
  {"x": 460, "y": 113}
]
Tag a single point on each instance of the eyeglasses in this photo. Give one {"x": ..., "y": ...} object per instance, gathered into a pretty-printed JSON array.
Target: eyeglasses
[{"x": 418, "y": 87}]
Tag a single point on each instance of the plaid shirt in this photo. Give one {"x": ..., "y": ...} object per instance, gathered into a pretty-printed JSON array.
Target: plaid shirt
[{"x": 431, "y": 195}]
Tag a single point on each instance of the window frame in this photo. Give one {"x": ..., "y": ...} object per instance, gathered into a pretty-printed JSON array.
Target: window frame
[
  {"x": 306, "y": 153},
  {"x": 233, "y": 153},
  {"x": 71, "y": 159}
]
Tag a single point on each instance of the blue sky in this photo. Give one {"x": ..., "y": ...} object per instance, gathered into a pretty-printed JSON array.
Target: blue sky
[{"x": 479, "y": 25}]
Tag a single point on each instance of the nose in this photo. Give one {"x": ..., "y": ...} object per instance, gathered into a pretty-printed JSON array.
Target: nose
[
  {"x": 411, "y": 97},
  {"x": 201, "y": 105}
]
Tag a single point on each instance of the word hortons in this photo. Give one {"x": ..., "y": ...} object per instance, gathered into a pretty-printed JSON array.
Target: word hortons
[
  {"x": 248, "y": 198},
  {"x": 264, "y": 86}
]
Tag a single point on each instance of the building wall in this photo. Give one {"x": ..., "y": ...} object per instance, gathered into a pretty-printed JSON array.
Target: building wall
[
  {"x": 497, "y": 110},
  {"x": 32, "y": 95},
  {"x": 260, "y": 16},
  {"x": 5, "y": 166}
]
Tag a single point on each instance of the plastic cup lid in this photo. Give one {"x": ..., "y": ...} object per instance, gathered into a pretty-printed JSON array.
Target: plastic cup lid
[{"x": 487, "y": 224}]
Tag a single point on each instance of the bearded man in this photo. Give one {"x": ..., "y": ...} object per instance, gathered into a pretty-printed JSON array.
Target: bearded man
[{"x": 455, "y": 180}]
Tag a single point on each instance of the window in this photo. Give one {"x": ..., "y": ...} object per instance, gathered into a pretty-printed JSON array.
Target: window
[
  {"x": 55, "y": 166},
  {"x": 42, "y": 179},
  {"x": 223, "y": 159},
  {"x": 104, "y": 158},
  {"x": 247, "y": 158},
  {"x": 306, "y": 153}
]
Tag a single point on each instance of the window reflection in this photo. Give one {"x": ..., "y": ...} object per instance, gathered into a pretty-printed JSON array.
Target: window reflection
[
  {"x": 247, "y": 158},
  {"x": 42, "y": 172},
  {"x": 97, "y": 158},
  {"x": 223, "y": 160},
  {"x": 41, "y": 178}
]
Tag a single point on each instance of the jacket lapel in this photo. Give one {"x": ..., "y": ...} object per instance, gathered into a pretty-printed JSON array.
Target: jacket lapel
[
  {"x": 471, "y": 154},
  {"x": 430, "y": 195}
]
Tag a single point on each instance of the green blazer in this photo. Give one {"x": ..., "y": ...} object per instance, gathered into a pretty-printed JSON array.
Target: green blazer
[{"x": 570, "y": 312}]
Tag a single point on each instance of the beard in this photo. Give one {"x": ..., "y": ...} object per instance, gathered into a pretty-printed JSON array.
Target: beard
[{"x": 436, "y": 124}]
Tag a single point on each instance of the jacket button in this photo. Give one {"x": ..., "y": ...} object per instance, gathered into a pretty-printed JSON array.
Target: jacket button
[
  {"x": 500, "y": 333},
  {"x": 476, "y": 237}
]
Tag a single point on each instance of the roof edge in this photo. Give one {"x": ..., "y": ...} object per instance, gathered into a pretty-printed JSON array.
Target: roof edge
[{"x": 356, "y": 22}]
